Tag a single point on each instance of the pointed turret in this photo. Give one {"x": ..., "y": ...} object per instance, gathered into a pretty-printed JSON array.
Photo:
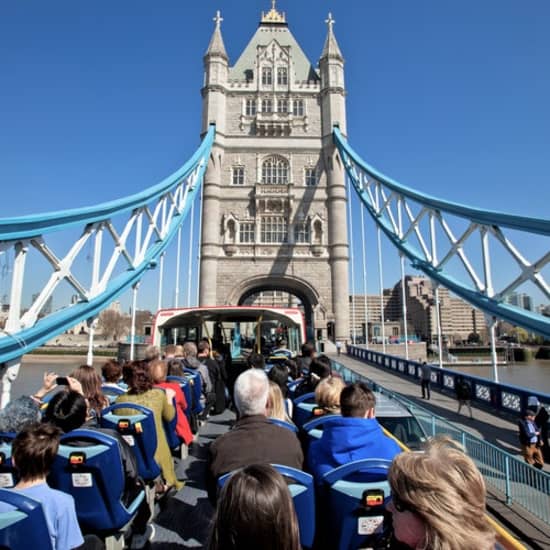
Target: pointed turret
[
  {"x": 216, "y": 46},
  {"x": 331, "y": 48}
]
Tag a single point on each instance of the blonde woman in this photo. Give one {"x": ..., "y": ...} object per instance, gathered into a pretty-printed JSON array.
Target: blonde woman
[
  {"x": 276, "y": 403},
  {"x": 438, "y": 499},
  {"x": 327, "y": 394}
]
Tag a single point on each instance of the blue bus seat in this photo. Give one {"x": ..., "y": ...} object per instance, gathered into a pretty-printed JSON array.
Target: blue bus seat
[
  {"x": 292, "y": 385},
  {"x": 140, "y": 433},
  {"x": 194, "y": 378},
  {"x": 303, "y": 408},
  {"x": 283, "y": 424},
  {"x": 186, "y": 389},
  {"x": 91, "y": 471},
  {"x": 112, "y": 392},
  {"x": 174, "y": 442},
  {"x": 8, "y": 474},
  {"x": 358, "y": 517},
  {"x": 302, "y": 490},
  {"x": 25, "y": 526}
]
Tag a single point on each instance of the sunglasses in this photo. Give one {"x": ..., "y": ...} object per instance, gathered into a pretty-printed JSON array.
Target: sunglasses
[{"x": 399, "y": 505}]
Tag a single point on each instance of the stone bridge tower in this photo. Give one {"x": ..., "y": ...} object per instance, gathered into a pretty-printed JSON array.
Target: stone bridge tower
[{"x": 274, "y": 208}]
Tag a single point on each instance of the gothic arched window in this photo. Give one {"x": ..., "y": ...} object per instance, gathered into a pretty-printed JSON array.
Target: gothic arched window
[
  {"x": 267, "y": 76},
  {"x": 275, "y": 170},
  {"x": 282, "y": 76}
]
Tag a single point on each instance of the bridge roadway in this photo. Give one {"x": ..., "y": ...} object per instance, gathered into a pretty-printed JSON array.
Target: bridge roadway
[{"x": 500, "y": 430}]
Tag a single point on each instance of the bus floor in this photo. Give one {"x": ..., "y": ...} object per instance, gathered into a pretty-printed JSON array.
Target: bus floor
[{"x": 184, "y": 520}]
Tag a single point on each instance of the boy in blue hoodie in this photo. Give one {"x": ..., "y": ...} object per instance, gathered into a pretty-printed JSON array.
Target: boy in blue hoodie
[{"x": 354, "y": 436}]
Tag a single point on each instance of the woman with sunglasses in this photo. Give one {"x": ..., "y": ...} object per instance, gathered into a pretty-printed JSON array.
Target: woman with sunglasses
[{"x": 438, "y": 499}]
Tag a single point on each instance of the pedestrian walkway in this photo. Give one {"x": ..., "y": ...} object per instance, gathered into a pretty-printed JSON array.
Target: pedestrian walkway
[{"x": 499, "y": 430}]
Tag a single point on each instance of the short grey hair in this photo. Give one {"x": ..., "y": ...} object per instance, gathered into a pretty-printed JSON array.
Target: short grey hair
[
  {"x": 19, "y": 414},
  {"x": 251, "y": 392},
  {"x": 189, "y": 349}
]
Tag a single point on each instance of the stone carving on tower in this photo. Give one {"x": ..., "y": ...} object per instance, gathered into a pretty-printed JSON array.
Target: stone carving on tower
[{"x": 274, "y": 201}]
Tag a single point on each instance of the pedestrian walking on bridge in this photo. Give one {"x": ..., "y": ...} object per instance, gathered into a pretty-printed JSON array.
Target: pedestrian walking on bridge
[
  {"x": 463, "y": 394},
  {"x": 425, "y": 379}
]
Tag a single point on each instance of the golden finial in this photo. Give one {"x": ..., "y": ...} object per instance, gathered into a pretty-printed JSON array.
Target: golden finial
[{"x": 273, "y": 16}]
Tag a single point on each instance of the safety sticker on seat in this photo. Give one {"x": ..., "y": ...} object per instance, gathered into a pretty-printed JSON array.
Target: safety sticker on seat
[
  {"x": 369, "y": 525},
  {"x": 82, "y": 480}
]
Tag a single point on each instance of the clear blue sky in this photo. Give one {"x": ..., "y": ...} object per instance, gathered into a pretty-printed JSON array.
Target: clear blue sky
[{"x": 101, "y": 99}]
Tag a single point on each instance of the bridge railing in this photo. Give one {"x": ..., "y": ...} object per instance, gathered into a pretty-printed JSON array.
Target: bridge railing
[
  {"x": 486, "y": 393},
  {"x": 518, "y": 482}
]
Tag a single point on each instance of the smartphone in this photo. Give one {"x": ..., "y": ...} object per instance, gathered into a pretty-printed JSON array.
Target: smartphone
[{"x": 62, "y": 381}]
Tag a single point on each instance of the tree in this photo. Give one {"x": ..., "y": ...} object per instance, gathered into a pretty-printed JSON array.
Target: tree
[{"x": 112, "y": 324}]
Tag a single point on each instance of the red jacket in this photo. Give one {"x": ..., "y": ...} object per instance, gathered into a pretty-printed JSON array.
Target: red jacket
[{"x": 182, "y": 427}]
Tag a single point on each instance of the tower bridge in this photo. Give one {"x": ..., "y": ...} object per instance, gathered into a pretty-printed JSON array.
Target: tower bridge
[{"x": 282, "y": 197}]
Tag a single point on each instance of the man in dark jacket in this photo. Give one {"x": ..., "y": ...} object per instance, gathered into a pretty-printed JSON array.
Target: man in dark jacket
[
  {"x": 253, "y": 439},
  {"x": 354, "y": 436},
  {"x": 529, "y": 438}
]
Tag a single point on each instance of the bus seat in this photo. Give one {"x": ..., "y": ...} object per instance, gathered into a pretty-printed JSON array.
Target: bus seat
[
  {"x": 354, "y": 508},
  {"x": 139, "y": 431},
  {"x": 8, "y": 474},
  {"x": 194, "y": 378},
  {"x": 303, "y": 408},
  {"x": 302, "y": 490},
  {"x": 25, "y": 526},
  {"x": 283, "y": 424},
  {"x": 90, "y": 469},
  {"x": 112, "y": 392}
]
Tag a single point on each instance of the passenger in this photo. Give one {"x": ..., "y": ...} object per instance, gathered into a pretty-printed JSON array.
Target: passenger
[
  {"x": 91, "y": 387},
  {"x": 190, "y": 361},
  {"x": 529, "y": 438},
  {"x": 255, "y": 511},
  {"x": 151, "y": 353},
  {"x": 33, "y": 453},
  {"x": 319, "y": 368},
  {"x": 541, "y": 420},
  {"x": 355, "y": 436},
  {"x": 463, "y": 394},
  {"x": 281, "y": 349},
  {"x": 158, "y": 372},
  {"x": 216, "y": 371},
  {"x": 327, "y": 394},
  {"x": 438, "y": 499},
  {"x": 276, "y": 404},
  {"x": 279, "y": 375},
  {"x": 175, "y": 367},
  {"x": 255, "y": 361},
  {"x": 308, "y": 354},
  {"x": 141, "y": 392},
  {"x": 18, "y": 414},
  {"x": 112, "y": 374},
  {"x": 68, "y": 411},
  {"x": 169, "y": 351},
  {"x": 253, "y": 438}
]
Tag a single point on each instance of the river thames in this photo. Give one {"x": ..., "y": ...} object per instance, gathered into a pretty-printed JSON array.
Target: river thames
[{"x": 534, "y": 375}]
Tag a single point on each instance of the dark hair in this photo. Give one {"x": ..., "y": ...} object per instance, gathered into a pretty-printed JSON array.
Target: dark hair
[
  {"x": 140, "y": 379},
  {"x": 175, "y": 368},
  {"x": 308, "y": 349},
  {"x": 256, "y": 361},
  {"x": 320, "y": 367},
  {"x": 111, "y": 371},
  {"x": 356, "y": 400},
  {"x": 279, "y": 375},
  {"x": 255, "y": 510},
  {"x": 203, "y": 346},
  {"x": 292, "y": 367},
  {"x": 67, "y": 410},
  {"x": 34, "y": 450},
  {"x": 91, "y": 387}
]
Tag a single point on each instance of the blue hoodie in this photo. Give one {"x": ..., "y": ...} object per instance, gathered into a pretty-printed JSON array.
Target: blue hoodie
[{"x": 346, "y": 439}]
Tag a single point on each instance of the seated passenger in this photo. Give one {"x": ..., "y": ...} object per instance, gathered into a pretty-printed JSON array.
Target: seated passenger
[
  {"x": 112, "y": 374},
  {"x": 33, "y": 453},
  {"x": 255, "y": 361},
  {"x": 158, "y": 372},
  {"x": 327, "y": 394},
  {"x": 253, "y": 438},
  {"x": 276, "y": 404},
  {"x": 18, "y": 414},
  {"x": 438, "y": 499},
  {"x": 141, "y": 392},
  {"x": 279, "y": 374},
  {"x": 91, "y": 387},
  {"x": 319, "y": 368},
  {"x": 191, "y": 362},
  {"x": 304, "y": 360},
  {"x": 281, "y": 349},
  {"x": 354, "y": 436},
  {"x": 255, "y": 510}
]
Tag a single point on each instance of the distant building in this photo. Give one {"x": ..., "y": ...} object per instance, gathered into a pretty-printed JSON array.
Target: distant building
[{"x": 521, "y": 300}]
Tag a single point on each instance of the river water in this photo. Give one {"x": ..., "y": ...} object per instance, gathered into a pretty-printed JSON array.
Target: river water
[{"x": 534, "y": 375}]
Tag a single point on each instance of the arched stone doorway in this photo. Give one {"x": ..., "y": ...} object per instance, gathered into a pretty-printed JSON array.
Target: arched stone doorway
[{"x": 305, "y": 294}]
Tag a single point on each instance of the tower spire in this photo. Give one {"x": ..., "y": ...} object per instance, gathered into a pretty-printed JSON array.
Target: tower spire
[
  {"x": 273, "y": 16},
  {"x": 331, "y": 48},
  {"x": 216, "y": 46}
]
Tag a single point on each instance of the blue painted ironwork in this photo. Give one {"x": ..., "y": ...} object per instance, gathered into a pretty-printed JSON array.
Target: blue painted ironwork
[
  {"x": 392, "y": 206},
  {"x": 172, "y": 199}
]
